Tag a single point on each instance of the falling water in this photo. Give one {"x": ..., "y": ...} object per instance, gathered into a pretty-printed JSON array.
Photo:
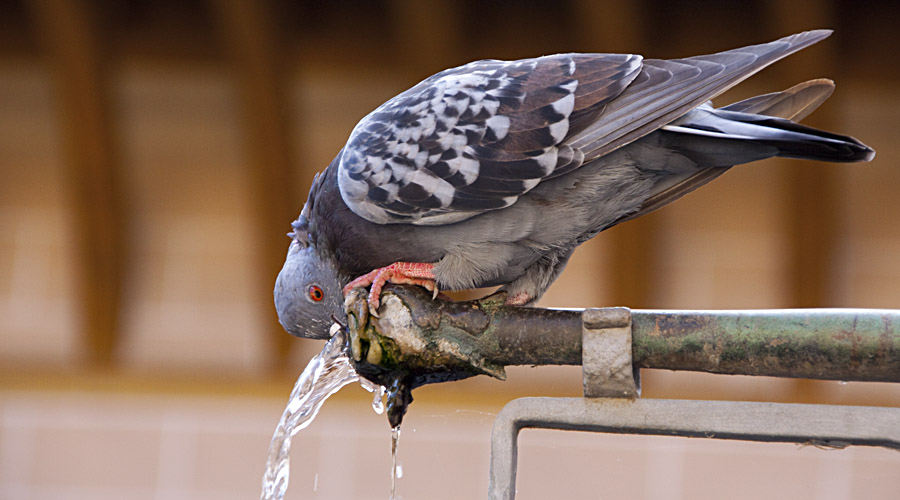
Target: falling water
[
  {"x": 396, "y": 470},
  {"x": 325, "y": 374}
]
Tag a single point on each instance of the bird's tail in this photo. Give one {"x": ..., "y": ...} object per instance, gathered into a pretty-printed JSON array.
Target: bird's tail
[
  {"x": 795, "y": 103},
  {"x": 763, "y": 126},
  {"x": 752, "y": 129}
]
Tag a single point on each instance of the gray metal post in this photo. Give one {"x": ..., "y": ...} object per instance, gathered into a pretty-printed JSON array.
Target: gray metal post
[
  {"x": 822, "y": 425},
  {"x": 611, "y": 405}
]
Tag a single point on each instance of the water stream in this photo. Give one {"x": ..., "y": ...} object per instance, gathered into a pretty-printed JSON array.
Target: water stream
[
  {"x": 396, "y": 469},
  {"x": 325, "y": 374}
]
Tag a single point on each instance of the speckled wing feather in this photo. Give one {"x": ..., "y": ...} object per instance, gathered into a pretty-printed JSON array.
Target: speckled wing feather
[
  {"x": 477, "y": 137},
  {"x": 474, "y": 138}
]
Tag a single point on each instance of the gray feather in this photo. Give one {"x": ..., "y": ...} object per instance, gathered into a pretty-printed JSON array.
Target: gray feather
[{"x": 795, "y": 103}]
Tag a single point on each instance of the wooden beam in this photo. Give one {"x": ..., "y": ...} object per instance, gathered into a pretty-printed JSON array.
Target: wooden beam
[
  {"x": 70, "y": 37},
  {"x": 427, "y": 33},
  {"x": 249, "y": 34},
  {"x": 617, "y": 26},
  {"x": 612, "y": 26},
  {"x": 811, "y": 208}
]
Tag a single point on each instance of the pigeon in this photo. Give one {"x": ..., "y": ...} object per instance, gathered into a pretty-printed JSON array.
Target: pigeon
[{"x": 492, "y": 173}]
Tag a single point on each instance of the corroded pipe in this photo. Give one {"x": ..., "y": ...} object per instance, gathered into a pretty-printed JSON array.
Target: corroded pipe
[
  {"x": 417, "y": 340},
  {"x": 833, "y": 344}
]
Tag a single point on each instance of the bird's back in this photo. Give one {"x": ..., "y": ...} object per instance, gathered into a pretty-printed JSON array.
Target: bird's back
[{"x": 502, "y": 188}]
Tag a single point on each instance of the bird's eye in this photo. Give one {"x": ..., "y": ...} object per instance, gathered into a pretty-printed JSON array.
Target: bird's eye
[{"x": 315, "y": 293}]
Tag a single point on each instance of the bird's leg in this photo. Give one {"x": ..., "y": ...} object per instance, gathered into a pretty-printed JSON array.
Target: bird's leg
[
  {"x": 518, "y": 299},
  {"x": 405, "y": 273}
]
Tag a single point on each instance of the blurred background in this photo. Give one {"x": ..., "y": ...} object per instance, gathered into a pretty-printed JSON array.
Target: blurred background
[{"x": 153, "y": 154}]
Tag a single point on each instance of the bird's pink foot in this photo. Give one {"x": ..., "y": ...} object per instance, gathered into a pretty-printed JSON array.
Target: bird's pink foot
[
  {"x": 407, "y": 273},
  {"x": 518, "y": 299}
]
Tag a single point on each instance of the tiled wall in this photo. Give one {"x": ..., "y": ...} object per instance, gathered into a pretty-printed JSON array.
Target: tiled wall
[{"x": 97, "y": 446}]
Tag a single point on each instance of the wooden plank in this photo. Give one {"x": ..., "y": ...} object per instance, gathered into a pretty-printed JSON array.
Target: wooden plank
[
  {"x": 427, "y": 33},
  {"x": 811, "y": 209},
  {"x": 72, "y": 43},
  {"x": 617, "y": 26},
  {"x": 613, "y": 26},
  {"x": 249, "y": 35}
]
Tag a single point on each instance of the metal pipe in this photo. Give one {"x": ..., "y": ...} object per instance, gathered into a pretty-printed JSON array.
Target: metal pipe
[
  {"x": 835, "y": 344},
  {"x": 416, "y": 340},
  {"x": 830, "y": 344}
]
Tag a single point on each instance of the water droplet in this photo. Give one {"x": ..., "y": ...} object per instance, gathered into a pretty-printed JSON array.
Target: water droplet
[
  {"x": 399, "y": 471},
  {"x": 378, "y": 400},
  {"x": 843, "y": 382},
  {"x": 378, "y": 394}
]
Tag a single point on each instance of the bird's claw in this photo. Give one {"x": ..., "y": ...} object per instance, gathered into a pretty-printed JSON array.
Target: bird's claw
[{"x": 405, "y": 273}]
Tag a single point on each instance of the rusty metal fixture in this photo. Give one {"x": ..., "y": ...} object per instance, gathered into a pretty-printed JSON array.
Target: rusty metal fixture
[
  {"x": 416, "y": 340},
  {"x": 829, "y": 344},
  {"x": 607, "y": 364}
]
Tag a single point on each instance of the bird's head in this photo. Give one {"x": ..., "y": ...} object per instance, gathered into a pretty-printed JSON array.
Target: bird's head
[{"x": 308, "y": 290}]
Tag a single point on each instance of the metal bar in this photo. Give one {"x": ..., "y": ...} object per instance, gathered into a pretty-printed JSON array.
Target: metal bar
[
  {"x": 830, "y": 344},
  {"x": 416, "y": 340},
  {"x": 820, "y": 425}
]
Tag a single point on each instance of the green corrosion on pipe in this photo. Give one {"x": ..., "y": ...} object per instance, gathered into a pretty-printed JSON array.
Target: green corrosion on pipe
[
  {"x": 416, "y": 340},
  {"x": 835, "y": 344}
]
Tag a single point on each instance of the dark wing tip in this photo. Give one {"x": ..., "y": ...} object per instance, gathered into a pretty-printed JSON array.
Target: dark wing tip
[{"x": 866, "y": 154}]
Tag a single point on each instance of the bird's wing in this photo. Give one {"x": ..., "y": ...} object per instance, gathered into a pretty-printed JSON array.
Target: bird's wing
[
  {"x": 477, "y": 137},
  {"x": 667, "y": 89}
]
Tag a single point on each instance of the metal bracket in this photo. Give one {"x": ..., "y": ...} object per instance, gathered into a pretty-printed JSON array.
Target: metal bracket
[
  {"x": 826, "y": 425},
  {"x": 611, "y": 389},
  {"x": 607, "y": 367}
]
